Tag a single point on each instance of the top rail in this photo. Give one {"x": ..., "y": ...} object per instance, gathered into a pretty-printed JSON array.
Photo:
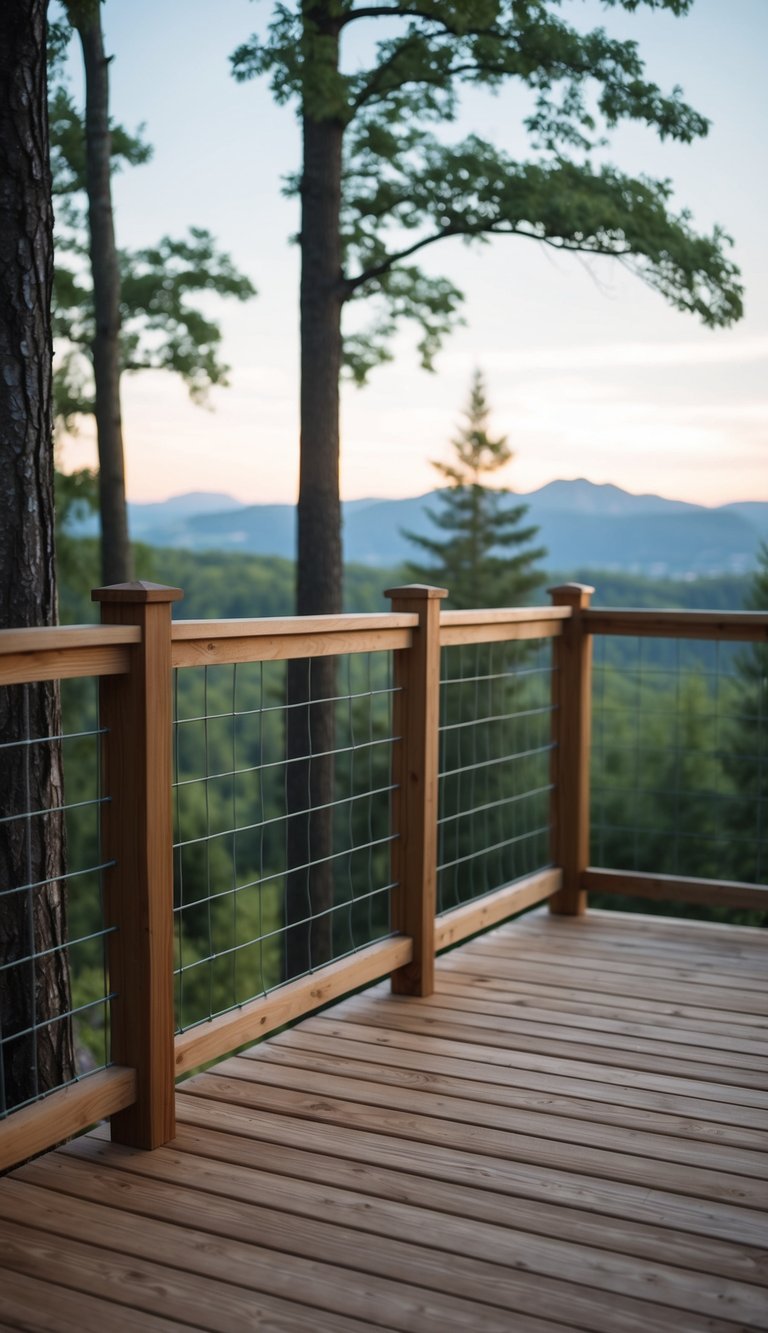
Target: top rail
[
  {"x": 499, "y": 624},
  {"x": 64, "y": 651},
  {"x": 285, "y": 626},
  {"x": 277, "y": 638},
  {"x": 733, "y": 626}
]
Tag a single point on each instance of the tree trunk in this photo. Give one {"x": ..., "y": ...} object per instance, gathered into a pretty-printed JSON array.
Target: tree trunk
[
  {"x": 35, "y": 1055},
  {"x": 310, "y": 728},
  {"x": 116, "y": 554}
]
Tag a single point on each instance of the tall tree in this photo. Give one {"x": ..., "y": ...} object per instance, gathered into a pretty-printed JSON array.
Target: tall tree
[
  {"x": 377, "y": 185},
  {"x": 136, "y": 313},
  {"x": 485, "y": 558},
  {"x": 35, "y": 1054},
  {"x": 116, "y": 555}
]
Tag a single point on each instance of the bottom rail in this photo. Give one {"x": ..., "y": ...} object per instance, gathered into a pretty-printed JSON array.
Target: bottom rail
[
  {"x": 676, "y": 888},
  {"x": 481, "y": 914},
  {"x": 64, "y": 1113},
  {"x": 210, "y": 1041}
]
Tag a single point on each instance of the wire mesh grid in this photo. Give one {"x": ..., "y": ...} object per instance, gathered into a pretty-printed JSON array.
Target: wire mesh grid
[
  {"x": 54, "y": 986},
  {"x": 680, "y": 758},
  {"x": 495, "y": 753},
  {"x": 282, "y": 864}
]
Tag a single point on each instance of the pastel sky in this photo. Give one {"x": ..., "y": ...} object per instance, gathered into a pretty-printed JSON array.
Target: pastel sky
[{"x": 588, "y": 371}]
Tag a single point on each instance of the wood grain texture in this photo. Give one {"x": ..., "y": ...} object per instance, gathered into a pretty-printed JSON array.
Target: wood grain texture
[
  {"x": 408, "y": 1163},
  {"x": 137, "y": 835},
  {"x": 731, "y": 626},
  {"x": 65, "y": 663},
  {"x": 64, "y": 1113},
  {"x": 291, "y": 626},
  {"x": 677, "y": 888},
  {"x": 212, "y": 651},
  {"x": 499, "y": 632},
  {"x": 57, "y": 638},
  {"x": 504, "y": 615},
  {"x": 415, "y": 766},
  {"x": 212, "y": 1040},
  {"x": 572, "y": 737},
  {"x": 459, "y": 923}
]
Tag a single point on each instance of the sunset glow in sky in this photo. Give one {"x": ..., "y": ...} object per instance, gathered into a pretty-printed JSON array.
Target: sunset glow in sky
[{"x": 588, "y": 372}]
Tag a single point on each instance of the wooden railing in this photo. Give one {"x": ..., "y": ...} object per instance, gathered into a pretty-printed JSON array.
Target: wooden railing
[
  {"x": 132, "y": 654},
  {"x": 712, "y": 626}
]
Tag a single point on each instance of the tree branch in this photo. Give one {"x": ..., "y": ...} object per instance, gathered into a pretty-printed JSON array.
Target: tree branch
[
  {"x": 351, "y": 285},
  {"x": 427, "y": 16},
  {"x": 368, "y": 93}
]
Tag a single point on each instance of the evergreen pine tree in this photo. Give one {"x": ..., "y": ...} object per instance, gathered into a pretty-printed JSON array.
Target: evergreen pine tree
[
  {"x": 494, "y": 707},
  {"x": 486, "y": 557}
]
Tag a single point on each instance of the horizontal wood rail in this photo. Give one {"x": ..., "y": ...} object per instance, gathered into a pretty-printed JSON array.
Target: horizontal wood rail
[
  {"x": 482, "y": 913},
  {"x": 211, "y": 1040},
  {"x": 216, "y": 1038},
  {"x": 717, "y": 626},
  {"x": 677, "y": 888},
  {"x": 266, "y": 647},
  {"x": 728, "y": 626},
  {"x": 285, "y": 626},
  {"x": 64, "y": 652},
  {"x": 63, "y": 1113},
  {"x": 502, "y": 625}
]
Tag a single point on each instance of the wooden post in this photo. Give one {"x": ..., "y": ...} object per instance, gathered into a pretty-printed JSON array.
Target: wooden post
[
  {"x": 137, "y": 833},
  {"x": 572, "y": 692},
  {"x": 415, "y": 766}
]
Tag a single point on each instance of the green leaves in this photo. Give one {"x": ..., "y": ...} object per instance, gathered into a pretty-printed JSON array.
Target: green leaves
[
  {"x": 68, "y": 145},
  {"x": 406, "y": 187},
  {"x": 161, "y": 326},
  {"x": 403, "y": 293}
]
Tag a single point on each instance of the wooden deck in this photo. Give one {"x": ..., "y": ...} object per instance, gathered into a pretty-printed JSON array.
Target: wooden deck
[{"x": 567, "y": 1135}]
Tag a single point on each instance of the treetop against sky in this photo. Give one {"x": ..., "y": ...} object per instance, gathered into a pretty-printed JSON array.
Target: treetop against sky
[{"x": 589, "y": 372}]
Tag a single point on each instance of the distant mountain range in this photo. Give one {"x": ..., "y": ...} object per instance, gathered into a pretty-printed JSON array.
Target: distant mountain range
[{"x": 582, "y": 525}]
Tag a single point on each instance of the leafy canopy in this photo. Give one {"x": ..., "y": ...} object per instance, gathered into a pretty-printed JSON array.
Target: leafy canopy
[
  {"x": 161, "y": 326},
  {"x": 485, "y": 557},
  {"x": 405, "y": 187}
]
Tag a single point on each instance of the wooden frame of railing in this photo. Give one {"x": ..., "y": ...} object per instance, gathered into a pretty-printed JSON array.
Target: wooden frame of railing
[
  {"x": 416, "y": 631},
  {"x": 132, "y": 653},
  {"x": 28, "y": 655},
  {"x": 715, "y": 626}
]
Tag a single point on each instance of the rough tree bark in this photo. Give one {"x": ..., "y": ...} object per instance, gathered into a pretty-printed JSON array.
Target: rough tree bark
[
  {"x": 32, "y": 990},
  {"x": 116, "y": 554},
  {"x": 310, "y": 729}
]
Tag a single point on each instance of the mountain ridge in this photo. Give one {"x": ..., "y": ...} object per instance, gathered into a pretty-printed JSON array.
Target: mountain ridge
[{"x": 581, "y": 523}]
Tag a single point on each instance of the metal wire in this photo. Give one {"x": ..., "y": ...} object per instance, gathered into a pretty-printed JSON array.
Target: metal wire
[
  {"x": 495, "y": 749},
  {"x": 679, "y": 774},
  {"x": 52, "y": 983},
  {"x": 236, "y": 813}
]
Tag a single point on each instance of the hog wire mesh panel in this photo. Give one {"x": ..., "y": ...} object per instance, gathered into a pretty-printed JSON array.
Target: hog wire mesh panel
[
  {"x": 282, "y": 824},
  {"x": 495, "y": 753},
  {"x": 680, "y": 758},
  {"x": 54, "y": 987}
]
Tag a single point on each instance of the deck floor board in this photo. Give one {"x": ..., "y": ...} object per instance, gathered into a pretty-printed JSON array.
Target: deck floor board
[{"x": 569, "y": 1136}]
